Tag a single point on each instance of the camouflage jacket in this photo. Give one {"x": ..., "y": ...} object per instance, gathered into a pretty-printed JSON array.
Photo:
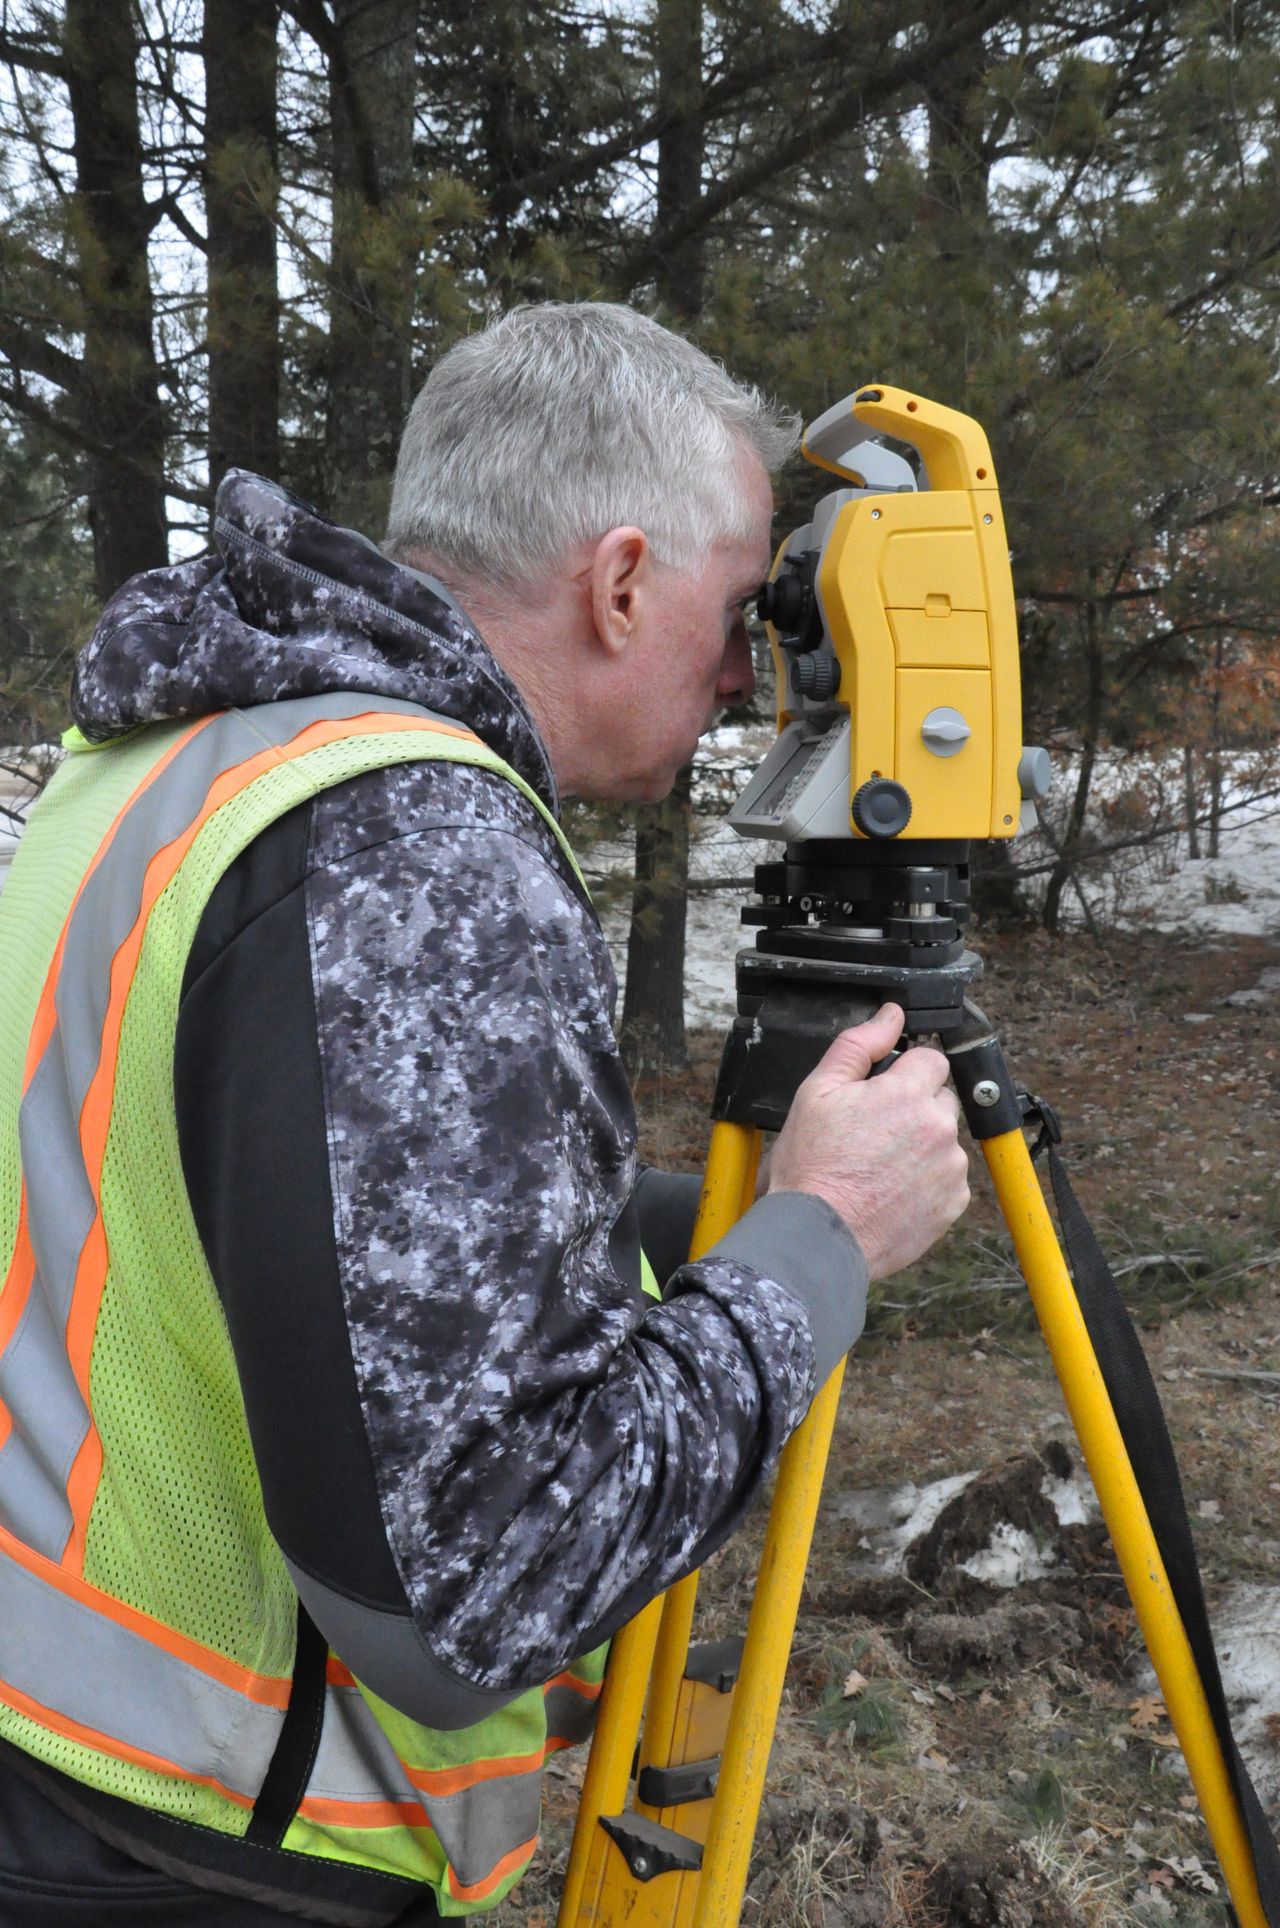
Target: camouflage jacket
[{"x": 410, "y": 1148}]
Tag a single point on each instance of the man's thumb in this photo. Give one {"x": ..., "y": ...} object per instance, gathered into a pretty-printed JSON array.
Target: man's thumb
[{"x": 854, "y": 1052}]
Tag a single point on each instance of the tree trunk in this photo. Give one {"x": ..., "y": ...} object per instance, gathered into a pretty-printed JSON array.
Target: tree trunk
[
  {"x": 1215, "y": 749},
  {"x": 653, "y": 1034},
  {"x": 1190, "y": 803},
  {"x": 958, "y": 174},
  {"x": 373, "y": 264},
  {"x": 1063, "y": 871},
  {"x": 118, "y": 397},
  {"x": 241, "y": 187}
]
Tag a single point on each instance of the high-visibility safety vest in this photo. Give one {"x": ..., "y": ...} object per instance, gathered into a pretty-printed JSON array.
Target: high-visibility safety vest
[{"x": 148, "y": 1626}]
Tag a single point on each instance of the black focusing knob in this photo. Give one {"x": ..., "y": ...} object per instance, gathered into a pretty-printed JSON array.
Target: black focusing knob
[
  {"x": 784, "y": 602},
  {"x": 882, "y": 808},
  {"x": 790, "y": 602}
]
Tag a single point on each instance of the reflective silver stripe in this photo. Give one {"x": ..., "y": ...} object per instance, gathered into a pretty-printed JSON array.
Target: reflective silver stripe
[
  {"x": 476, "y": 1827},
  {"x": 355, "y": 1761},
  {"x": 482, "y": 1823},
  {"x": 48, "y": 1421},
  {"x": 49, "y": 1416},
  {"x": 92, "y": 1670},
  {"x": 570, "y": 1716},
  {"x": 126, "y": 1688}
]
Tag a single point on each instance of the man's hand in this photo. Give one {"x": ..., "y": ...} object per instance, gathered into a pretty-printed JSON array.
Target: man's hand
[{"x": 882, "y": 1151}]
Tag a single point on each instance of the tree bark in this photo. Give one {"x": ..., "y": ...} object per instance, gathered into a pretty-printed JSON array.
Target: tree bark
[
  {"x": 1215, "y": 749},
  {"x": 1063, "y": 871},
  {"x": 1191, "y": 804},
  {"x": 241, "y": 188},
  {"x": 957, "y": 184},
  {"x": 653, "y": 1029},
  {"x": 118, "y": 395},
  {"x": 371, "y": 91}
]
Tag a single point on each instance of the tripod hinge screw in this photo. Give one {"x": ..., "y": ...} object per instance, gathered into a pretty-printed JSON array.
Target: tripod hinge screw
[{"x": 986, "y": 1092}]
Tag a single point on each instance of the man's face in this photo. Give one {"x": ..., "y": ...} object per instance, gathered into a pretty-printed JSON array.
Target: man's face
[{"x": 691, "y": 654}]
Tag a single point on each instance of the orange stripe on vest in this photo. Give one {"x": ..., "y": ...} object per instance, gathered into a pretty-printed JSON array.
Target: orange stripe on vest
[
  {"x": 477, "y": 1890},
  {"x": 329, "y": 1813}
]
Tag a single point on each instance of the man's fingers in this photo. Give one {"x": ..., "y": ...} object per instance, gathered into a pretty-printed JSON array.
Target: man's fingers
[
  {"x": 923, "y": 1068},
  {"x": 855, "y": 1051}
]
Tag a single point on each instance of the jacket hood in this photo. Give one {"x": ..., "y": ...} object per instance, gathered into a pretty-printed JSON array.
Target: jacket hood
[{"x": 291, "y": 605}]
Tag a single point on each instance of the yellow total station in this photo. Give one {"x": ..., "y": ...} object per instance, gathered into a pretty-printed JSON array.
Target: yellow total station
[{"x": 893, "y": 608}]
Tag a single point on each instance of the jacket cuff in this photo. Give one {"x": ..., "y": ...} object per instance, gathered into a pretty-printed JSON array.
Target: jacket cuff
[{"x": 798, "y": 1240}]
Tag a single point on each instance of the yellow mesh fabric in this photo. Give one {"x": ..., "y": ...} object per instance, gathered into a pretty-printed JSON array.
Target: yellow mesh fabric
[{"x": 413, "y": 1852}]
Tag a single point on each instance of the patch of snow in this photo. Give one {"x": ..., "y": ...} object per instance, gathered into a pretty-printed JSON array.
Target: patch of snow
[
  {"x": 1010, "y": 1557},
  {"x": 1246, "y": 1632},
  {"x": 1073, "y": 1500},
  {"x": 894, "y": 1518}
]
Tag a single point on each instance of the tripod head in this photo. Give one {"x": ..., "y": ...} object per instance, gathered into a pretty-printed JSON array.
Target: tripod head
[{"x": 894, "y": 635}]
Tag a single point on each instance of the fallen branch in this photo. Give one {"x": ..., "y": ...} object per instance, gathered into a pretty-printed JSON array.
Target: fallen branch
[{"x": 1260, "y": 1379}]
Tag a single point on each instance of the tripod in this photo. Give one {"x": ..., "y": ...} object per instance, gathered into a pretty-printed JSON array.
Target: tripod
[{"x": 843, "y": 927}]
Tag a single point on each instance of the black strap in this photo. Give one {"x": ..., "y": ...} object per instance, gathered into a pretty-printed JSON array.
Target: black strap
[
  {"x": 1138, "y": 1411},
  {"x": 286, "y": 1778}
]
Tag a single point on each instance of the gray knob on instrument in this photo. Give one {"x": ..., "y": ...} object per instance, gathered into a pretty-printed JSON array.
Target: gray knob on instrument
[
  {"x": 1035, "y": 772},
  {"x": 817, "y": 677},
  {"x": 882, "y": 808},
  {"x": 945, "y": 731}
]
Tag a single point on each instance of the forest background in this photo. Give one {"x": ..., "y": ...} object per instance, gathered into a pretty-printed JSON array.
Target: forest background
[{"x": 236, "y": 233}]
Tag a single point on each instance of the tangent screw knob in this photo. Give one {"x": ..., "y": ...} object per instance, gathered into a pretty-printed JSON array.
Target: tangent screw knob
[{"x": 817, "y": 677}]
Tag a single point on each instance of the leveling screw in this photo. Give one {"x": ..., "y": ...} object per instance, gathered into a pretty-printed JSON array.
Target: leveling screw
[{"x": 986, "y": 1092}]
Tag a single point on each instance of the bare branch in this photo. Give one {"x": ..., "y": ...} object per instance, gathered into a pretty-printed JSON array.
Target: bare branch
[
  {"x": 37, "y": 355},
  {"x": 36, "y": 56}
]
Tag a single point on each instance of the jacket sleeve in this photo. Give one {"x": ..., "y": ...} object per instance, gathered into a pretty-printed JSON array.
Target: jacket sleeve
[
  {"x": 667, "y": 1203},
  {"x": 545, "y": 1448}
]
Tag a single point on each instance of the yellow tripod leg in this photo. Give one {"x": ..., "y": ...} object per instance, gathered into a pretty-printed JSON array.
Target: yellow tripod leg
[
  {"x": 599, "y": 1888},
  {"x": 1062, "y": 1323},
  {"x": 770, "y": 1627},
  {"x": 604, "y": 1788}
]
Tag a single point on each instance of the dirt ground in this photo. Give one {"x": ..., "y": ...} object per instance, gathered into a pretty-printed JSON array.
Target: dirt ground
[{"x": 952, "y": 1752}]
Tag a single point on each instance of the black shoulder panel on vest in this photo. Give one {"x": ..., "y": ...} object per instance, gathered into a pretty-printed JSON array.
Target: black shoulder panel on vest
[{"x": 251, "y": 1126}]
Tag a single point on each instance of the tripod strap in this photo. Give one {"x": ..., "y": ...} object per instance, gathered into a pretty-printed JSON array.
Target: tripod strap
[{"x": 1141, "y": 1420}]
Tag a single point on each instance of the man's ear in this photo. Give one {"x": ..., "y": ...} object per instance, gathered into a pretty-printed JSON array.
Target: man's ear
[{"x": 619, "y": 579}]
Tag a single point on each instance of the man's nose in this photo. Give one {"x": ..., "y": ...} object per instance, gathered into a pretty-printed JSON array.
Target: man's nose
[{"x": 737, "y": 671}]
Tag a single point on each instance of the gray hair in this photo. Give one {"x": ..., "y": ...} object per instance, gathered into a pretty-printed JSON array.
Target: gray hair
[{"x": 561, "y": 421}]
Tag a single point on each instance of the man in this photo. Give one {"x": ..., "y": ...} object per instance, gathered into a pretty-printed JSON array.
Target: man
[{"x": 343, "y": 1426}]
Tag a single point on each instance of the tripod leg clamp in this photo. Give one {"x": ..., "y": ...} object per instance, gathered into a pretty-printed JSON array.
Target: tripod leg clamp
[
  {"x": 649, "y": 1849},
  {"x": 991, "y": 1102}
]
